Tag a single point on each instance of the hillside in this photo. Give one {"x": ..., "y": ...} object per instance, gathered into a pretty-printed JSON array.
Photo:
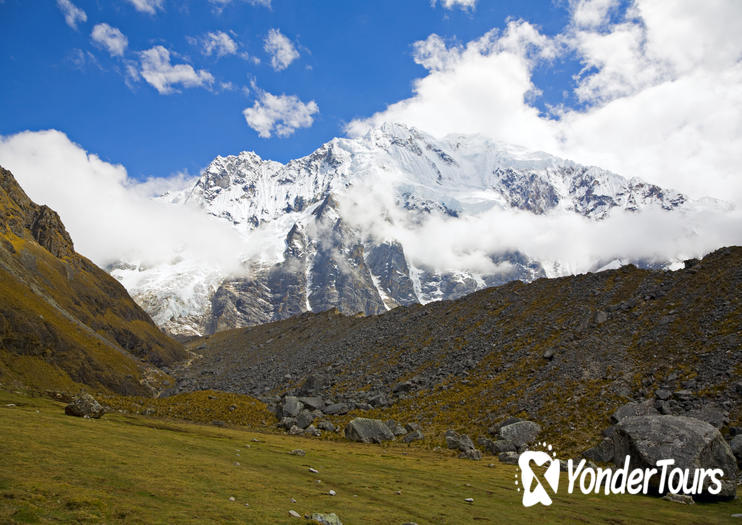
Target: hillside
[
  {"x": 564, "y": 352},
  {"x": 64, "y": 322}
]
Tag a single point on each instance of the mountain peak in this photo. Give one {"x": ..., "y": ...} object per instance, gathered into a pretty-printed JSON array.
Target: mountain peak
[{"x": 351, "y": 212}]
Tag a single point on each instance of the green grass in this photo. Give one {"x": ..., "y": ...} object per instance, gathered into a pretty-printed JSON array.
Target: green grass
[{"x": 135, "y": 469}]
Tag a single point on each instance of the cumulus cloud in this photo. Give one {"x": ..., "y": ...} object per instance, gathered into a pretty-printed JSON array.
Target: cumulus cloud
[
  {"x": 279, "y": 114},
  {"x": 110, "y": 38},
  {"x": 157, "y": 70},
  {"x": 72, "y": 14},
  {"x": 217, "y": 43},
  {"x": 474, "y": 240},
  {"x": 461, "y": 4},
  {"x": 110, "y": 216},
  {"x": 280, "y": 49},
  {"x": 147, "y": 6},
  {"x": 660, "y": 92}
]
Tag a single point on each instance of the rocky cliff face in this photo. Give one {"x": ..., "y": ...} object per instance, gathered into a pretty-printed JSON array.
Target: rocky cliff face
[
  {"x": 64, "y": 321},
  {"x": 333, "y": 228}
]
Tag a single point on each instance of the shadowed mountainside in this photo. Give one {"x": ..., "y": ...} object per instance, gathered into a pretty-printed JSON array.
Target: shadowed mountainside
[
  {"x": 564, "y": 352},
  {"x": 64, "y": 321}
]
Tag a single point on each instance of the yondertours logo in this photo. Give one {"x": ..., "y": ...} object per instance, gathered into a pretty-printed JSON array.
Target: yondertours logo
[{"x": 539, "y": 475}]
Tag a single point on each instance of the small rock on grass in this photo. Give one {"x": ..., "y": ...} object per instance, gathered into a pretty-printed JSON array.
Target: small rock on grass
[
  {"x": 332, "y": 493},
  {"x": 469, "y": 500},
  {"x": 313, "y": 470},
  {"x": 232, "y": 498},
  {"x": 294, "y": 514},
  {"x": 678, "y": 498},
  {"x": 326, "y": 519},
  {"x": 298, "y": 452}
]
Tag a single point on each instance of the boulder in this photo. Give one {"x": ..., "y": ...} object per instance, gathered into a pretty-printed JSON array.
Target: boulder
[
  {"x": 509, "y": 458},
  {"x": 692, "y": 443},
  {"x": 411, "y": 427},
  {"x": 304, "y": 419},
  {"x": 602, "y": 452},
  {"x": 336, "y": 409},
  {"x": 326, "y": 519},
  {"x": 84, "y": 405},
  {"x": 367, "y": 430},
  {"x": 472, "y": 454},
  {"x": 499, "y": 446},
  {"x": 312, "y": 402},
  {"x": 312, "y": 431},
  {"x": 287, "y": 422},
  {"x": 415, "y": 435},
  {"x": 710, "y": 414},
  {"x": 662, "y": 394},
  {"x": 736, "y": 446},
  {"x": 494, "y": 430},
  {"x": 645, "y": 408},
  {"x": 456, "y": 441},
  {"x": 521, "y": 433},
  {"x": 379, "y": 400},
  {"x": 327, "y": 426},
  {"x": 291, "y": 406},
  {"x": 396, "y": 428}
]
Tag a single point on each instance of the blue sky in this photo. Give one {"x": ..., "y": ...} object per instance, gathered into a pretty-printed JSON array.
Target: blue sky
[
  {"x": 643, "y": 88},
  {"x": 354, "y": 59}
]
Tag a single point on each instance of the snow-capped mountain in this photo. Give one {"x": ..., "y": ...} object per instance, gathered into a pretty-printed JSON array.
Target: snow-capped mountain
[{"x": 342, "y": 227}]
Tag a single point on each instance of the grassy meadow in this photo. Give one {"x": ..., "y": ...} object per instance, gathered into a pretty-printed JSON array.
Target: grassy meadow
[{"x": 137, "y": 469}]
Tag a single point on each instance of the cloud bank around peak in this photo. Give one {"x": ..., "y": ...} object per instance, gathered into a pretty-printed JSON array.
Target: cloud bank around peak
[
  {"x": 659, "y": 95},
  {"x": 110, "y": 216}
]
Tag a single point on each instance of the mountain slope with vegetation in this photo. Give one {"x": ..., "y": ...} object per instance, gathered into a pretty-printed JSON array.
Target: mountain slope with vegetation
[
  {"x": 64, "y": 322},
  {"x": 564, "y": 352}
]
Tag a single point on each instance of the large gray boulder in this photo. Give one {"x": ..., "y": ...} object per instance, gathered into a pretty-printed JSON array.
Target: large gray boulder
[
  {"x": 462, "y": 443},
  {"x": 456, "y": 441},
  {"x": 521, "y": 433},
  {"x": 313, "y": 402},
  {"x": 84, "y": 405},
  {"x": 367, "y": 430},
  {"x": 692, "y": 443},
  {"x": 291, "y": 406},
  {"x": 304, "y": 419}
]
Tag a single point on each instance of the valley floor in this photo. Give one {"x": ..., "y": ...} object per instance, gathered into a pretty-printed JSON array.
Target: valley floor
[{"x": 135, "y": 469}]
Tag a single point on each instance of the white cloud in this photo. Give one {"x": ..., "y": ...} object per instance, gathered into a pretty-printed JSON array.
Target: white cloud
[
  {"x": 661, "y": 92},
  {"x": 216, "y": 43},
  {"x": 565, "y": 241},
  {"x": 113, "y": 40},
  {"x": 592, "y": 13},
  {"x": 461, "y": 4},
  {"x": 157, "y": 70},
  {"x": 281, "y": 50},
  {"x": 147, "y": 6},
  {"x": 279, "y": 114},
  {"x": 72, "y": 14},
  {"x": 221, "y": 4},
  {"x": 110, "y": 216}
]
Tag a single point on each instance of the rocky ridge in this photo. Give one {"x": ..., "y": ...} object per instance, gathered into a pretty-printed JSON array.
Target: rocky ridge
[{"x": 565, "y": 353}]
